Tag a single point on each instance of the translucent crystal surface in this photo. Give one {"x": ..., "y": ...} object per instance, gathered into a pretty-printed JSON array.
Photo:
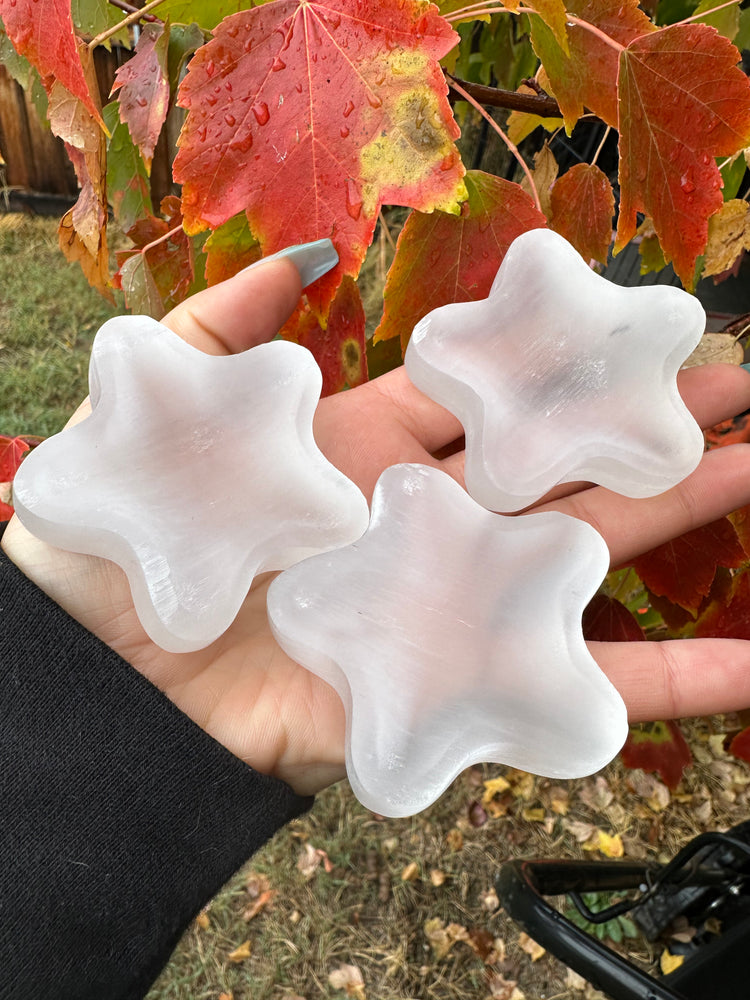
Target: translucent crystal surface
[
  {"x": 453, "y": 636},
  {"x": 193, "y": 473},
  {"x": 560, "y": 375}
]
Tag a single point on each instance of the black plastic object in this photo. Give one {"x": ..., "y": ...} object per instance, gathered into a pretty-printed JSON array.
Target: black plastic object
[{"x": 710, "y": 877}]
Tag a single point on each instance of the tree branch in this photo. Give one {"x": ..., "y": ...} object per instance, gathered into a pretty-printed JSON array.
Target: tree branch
[{"x": 534, "y": 104}]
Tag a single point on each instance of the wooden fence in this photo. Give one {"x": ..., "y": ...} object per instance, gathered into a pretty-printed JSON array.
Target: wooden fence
[{"x": 36, "y": 163}]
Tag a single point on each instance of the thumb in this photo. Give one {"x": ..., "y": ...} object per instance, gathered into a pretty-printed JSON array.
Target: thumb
[{"x": 251, "y": 307}]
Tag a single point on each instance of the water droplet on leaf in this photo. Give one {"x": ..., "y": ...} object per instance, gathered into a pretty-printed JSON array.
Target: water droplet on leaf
[
  {"x": 260, "y": 110},
  {"x": 348, "y": 109},
  {"x": 353, "y": 200},
  {"x": 278, "y": 64},
  {"x": 344, "y": 132},
  {"x": 210, "y": 68},
  {"x": 230, "y": 120}
]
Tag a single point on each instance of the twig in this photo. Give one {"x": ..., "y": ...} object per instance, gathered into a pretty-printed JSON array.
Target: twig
[
  {"x": 130, "y": 9},
  {"x": 161, "y": 239},
  {"x": 601, "y": 145},
  {"x": 705, "y": 13},
  {"x": 493, "y": 124},
  {"x": 125, "y": 23},
  {"x": 386, "y": 230},
  {"x": 534, "y": 104}
]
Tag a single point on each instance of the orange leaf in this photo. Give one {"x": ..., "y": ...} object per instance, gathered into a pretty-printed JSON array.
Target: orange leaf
[
  {"x": 587, "y": 78},
  {"x": 674, "y": 119},
  {"x": 453, "y": 259},
  {"x": 582, "y": 208},
  {"x": 311, "y": 116}
]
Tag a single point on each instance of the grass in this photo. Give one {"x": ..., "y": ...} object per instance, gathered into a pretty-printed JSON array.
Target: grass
[
  {"x": 48, "y": 318},
  {"x": 371, "y": 900}
]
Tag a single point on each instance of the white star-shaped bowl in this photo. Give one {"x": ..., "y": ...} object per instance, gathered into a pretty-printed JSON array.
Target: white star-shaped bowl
[
  {"x": 193, "y": 473},
  {"x": 453, "y": 636},
  {"x": 560, "y": 375}
]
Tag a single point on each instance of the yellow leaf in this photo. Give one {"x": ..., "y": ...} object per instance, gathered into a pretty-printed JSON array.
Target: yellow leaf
[
  {"x": 441, "y": 937},
  {"x": 728, "y": 236},
  {"x": 348, "y": 978},
  {"x": 202, "y": 920},
  {"x": 455, "y": 840},
  {"x": 533, "y": 814},
  {"x": 530, "y": 946},
  {"x": 437, "y": 877},
  {"x": 493, "y": 787},
  {"x": 609, "y": 846},
  {"x": 669, "y": 962},
  {"x": 244, "y": 951},
  {"x": 410, "y": 873}
]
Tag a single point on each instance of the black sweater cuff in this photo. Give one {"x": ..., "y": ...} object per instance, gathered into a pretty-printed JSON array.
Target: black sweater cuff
[{"x": 119, "y": 817}]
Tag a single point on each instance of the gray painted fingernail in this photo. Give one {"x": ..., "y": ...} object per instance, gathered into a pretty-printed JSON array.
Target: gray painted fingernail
[
  {"x": 312, "y": 260},
  {"x": 746, "y": 367}
]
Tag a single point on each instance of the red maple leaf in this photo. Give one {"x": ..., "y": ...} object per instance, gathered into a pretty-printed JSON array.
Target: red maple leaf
[
  {"x": 729, "y": 618},
  {"x": 660, "y": 747},
  {"x": 607, "y": 620},
  {"x": 42, "y": 31},
  {"x": 310, "y": 116},
  {"x": 740, "y": 745},
  {"x": 454, "y": 258},
  {"x": 683, "y": 570},
  {"x": 673, "y": 121},
  {"x": 583, "y": 205},
  {"x": 339, "y": 349},
  {"x": 144, "y": 85},
  {"x": 12, "y": 451}
]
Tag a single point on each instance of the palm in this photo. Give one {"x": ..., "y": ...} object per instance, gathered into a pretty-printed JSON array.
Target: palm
[{"x": 268, "y": 710}]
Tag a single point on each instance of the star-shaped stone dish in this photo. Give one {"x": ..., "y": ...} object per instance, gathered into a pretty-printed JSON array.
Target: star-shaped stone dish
[
  {"x": 193, "y": 473},
  {"x": 560, "y": 375},
  {"x": 453, "y": 636}
]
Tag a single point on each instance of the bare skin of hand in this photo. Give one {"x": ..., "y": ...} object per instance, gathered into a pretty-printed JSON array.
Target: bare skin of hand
[{"x": 273, "y": 714}]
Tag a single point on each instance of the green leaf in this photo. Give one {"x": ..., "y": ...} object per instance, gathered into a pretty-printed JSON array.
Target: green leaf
[
  {"x": 92, "y": 17},
  {"x": 726, "y": 21},
  {"x": 184, "y": 40},
  {"x": 207, "y": 14},
  {"x": 127, "y": 180},
  {"x": 628, "y": 927},
  {"x": 614, "y": 931},
  {"x": 731, "y": 175}
]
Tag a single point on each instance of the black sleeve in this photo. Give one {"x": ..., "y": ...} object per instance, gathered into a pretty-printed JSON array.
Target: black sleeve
[{"x": 119, "y": 817}]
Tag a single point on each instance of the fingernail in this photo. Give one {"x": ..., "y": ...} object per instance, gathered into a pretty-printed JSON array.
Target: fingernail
[
  {"x": 312, "y": 260},
  {"x": 746, "y": 367}
]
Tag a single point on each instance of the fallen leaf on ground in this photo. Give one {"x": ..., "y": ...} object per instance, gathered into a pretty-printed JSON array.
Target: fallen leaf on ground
[
  {"x": 493, "y": 787},
  {"x": 580, "y": 831},
  {"x": 575, "y": 982},
  {"x": 442, "y": 937},
  {"x": 596, "y": 794},
  {"x": 241, "y": 953},
  {"x": 609, "y": 846},
  {"x": 489, "y": 900},
  {"x": 310, "y": 860},
  {"x": 411, "y": 872},
  {"x": 258, "y": 904},
  {"x": 669, "y": 962},
  {"x": 716, "y": 348},
  {"x": 455, "y": 840},
  {"x": 348, "y": 978},
  {"x": 530, "y": 946},
  {"x": 648, "y": 787},
  {"x": 437, "y": 877},
  {"x": 503, "y": 989}
]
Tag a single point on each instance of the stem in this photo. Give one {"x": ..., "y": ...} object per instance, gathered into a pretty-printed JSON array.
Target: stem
[
  {"x": 386, "y": 231},
  {"x": 534, "y": 104},
  {"x": 474, "y": 9},
  {"x": 125, "y": 23},
  {"x": 601, "y": 35},
  {"x": 511, "y": 146},
  {"x": 130, "y": 9},
  {"x": 161, "y": 239},
  {"x": 705, "y": 13},
  {"x": 601, "y": 145}
]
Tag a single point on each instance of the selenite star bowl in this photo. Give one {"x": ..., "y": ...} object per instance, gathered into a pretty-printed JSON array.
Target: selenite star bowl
[
  {"x": 193, "y": 473},
  {"x": 559, "y": 375},
  {"x": 453, "y": 636}
]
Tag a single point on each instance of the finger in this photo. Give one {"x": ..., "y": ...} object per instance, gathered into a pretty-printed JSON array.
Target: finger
[
  {"x": 719, "y": 485},
  {"x": 677, "y": 678},
  {"x": 239, "y": 313},
  {"x": 714, "y": 393}
]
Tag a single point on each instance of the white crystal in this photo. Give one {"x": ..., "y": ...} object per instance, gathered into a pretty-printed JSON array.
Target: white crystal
[
  {"x": 453, "y": 636},
  {"x": 560, "y": 375},
  {"x": 193, "y": 473}
]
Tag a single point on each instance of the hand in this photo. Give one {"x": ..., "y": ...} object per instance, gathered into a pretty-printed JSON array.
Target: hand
[{"x": 284, "y": 721}]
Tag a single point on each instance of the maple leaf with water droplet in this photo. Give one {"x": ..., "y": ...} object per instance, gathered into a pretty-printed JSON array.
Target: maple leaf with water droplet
[{"x": 310, "y": 116}]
